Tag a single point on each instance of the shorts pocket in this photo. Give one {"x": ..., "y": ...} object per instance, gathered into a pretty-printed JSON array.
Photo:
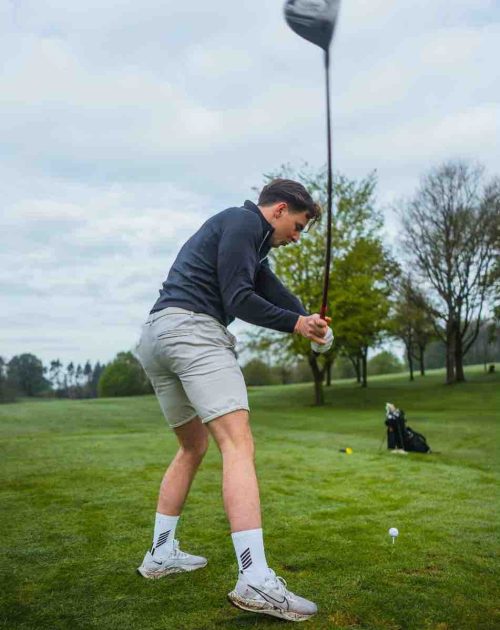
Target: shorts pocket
[{"x": 174, "y": 326}]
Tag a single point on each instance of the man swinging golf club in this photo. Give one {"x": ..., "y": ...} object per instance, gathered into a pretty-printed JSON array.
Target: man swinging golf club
[{"x": 221, "y": 273}]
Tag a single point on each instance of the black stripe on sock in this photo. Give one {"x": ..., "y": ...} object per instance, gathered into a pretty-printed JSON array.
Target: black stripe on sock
[
  {"x": 246, "y": 559},
  {"x": 245, "y": 555},
  {"x": 162, "y": 539}
]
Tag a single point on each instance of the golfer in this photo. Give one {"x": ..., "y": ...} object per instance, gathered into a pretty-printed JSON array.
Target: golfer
[{"x": 221, "y": 273}]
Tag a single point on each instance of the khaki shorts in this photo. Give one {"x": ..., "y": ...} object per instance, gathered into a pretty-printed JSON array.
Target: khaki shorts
[{"x": 190, "y": 359}]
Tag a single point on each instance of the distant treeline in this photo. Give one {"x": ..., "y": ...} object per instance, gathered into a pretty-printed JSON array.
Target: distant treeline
[
  {"x": 485, "y": 350},
  {"x": 26, "y": 376},
  {"x": 258, "y": 372}
]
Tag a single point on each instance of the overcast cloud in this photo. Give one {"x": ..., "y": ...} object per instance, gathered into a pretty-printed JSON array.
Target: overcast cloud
[{"x": 124, "y": 127}]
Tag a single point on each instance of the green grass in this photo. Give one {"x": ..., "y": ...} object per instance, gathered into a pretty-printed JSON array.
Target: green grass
[{"x": 78, "y": 492}]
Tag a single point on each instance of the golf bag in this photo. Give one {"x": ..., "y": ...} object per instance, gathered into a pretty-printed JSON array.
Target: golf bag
[
  {"x": 400, "y": 436},
  {"x": 414, "y": 441}
]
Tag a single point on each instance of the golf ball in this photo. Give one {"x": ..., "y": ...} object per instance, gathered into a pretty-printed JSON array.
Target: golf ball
[{"x": 393, "y": 532}]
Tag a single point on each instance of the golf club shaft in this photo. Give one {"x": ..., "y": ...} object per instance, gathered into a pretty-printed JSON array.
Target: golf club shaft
[{"x": 324, "y": 303}]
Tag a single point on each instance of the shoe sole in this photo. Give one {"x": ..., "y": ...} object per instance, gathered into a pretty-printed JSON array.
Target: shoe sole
[
  {"x": 249, "y": 606},
  {"x": 156, "y": 575}
]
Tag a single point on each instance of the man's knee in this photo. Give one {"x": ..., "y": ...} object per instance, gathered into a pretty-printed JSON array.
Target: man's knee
[
  {"x": 193, "y": 440},
  {"x": 196, "y": 450}
]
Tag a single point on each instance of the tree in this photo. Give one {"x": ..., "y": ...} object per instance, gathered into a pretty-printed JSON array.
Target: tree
[
  {"x": 7, "y": 390},
  {"x": 343, "y": 368},
  {"x": 486, "y": 347},
  {"x": 256, "y": 372},
  {"x": 124, "y": 377},
  {"x": 301, "y": 268},
  {"x": 451, "y": 235},
  {"x": 362, "y": 283},
  {"x": 385, "y": 362},
  {"x": 26, "y": 373},
  {"x": 70, "y": 375},
  {"x": 411, "y": 322},
  {"x": 423, "y": 326},
  {"x": 55, "y": 374},
  {"x": 94, "y": 379},
  {"x": 87, "y": 373},
  {"x": 78, "y": 375}
]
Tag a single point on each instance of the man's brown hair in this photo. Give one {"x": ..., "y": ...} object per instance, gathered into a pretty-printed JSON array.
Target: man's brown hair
[{"x": 293, "y": 193}]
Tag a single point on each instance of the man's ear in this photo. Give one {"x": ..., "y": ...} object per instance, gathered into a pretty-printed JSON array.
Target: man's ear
[{"x": 280, "y": 208}]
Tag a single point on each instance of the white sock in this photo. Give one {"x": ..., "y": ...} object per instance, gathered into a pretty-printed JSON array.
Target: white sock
[
  {"x": 163, "y": 537},
  {"x": 249, "y": 548}
]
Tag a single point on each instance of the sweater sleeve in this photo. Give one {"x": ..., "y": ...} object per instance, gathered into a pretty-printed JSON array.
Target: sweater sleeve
[
  {"x": 237, "y": 264},
  {"x": 270, "y": 287}
]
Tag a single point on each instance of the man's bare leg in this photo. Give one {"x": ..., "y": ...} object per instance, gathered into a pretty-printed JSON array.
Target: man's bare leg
[
  {"x": 239, "y": 481},
  {"x": 193, "y": 444},
  {"x": 241, "y": 492},
  {"x": 164, "y": 557},
  {"x": 257, "y": 589}
]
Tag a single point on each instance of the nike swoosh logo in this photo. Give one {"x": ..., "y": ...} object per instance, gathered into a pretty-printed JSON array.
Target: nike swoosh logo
[
  {"x": 160, "y": 563},
  {"x": 269, "y": 599}
]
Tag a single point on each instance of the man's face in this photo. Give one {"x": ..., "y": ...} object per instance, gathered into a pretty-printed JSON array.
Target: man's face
[{"x": 287, "y": 225}]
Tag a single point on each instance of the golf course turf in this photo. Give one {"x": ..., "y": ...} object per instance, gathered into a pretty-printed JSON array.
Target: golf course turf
[{"x": 79, "y": 486}]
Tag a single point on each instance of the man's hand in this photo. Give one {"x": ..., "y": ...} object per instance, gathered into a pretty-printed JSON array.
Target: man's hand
[
  {"x": 312, "y": 327},
  {"x": 328, "y": 339}
]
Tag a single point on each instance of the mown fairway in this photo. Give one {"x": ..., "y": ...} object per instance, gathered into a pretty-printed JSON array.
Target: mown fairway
[{"x": 79, "y": 485}]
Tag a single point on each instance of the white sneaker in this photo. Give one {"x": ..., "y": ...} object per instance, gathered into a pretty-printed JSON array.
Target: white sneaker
[
  {"x": 177, "y": 562},
  {"x": 399, "y": 451},
  {"x": 271, "y": 597}
]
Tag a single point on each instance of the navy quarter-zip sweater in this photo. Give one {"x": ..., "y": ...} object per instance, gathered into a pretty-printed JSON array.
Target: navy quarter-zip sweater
[{"x": 222, "y": 271}]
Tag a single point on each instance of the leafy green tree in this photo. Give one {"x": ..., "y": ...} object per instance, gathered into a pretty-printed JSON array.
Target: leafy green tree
[
  {"x": 7, "y": 390},
  {"x": 385, "y": 362},
  {"x": 124, "y": 376},
  {"x": 361, "y": 286},
  {"x": 301, "y": 268},
  {"x": 299, "y": 373},
  {"x": 343, "y": 368},
  {"x": 26, "y": 373},
  {"x": 354, "y": 234},
  {"x": 256, "y": 372}
]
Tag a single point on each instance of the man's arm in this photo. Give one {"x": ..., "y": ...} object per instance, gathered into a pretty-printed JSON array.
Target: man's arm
[
  {"x": 270, "y": 287},
  {"x": 237, "y": 263}
]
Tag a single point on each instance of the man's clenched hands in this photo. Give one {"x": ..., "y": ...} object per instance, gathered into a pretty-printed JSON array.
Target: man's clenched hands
[
  {"x": 328, "y": 342},
  {"x": 312, "y": 327}
]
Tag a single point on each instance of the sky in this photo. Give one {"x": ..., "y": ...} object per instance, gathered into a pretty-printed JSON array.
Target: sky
[{"x": 123, "y": 127}]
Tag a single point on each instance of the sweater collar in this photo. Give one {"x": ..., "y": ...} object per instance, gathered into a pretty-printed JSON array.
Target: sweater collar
[{"x": 266, "y": 226}]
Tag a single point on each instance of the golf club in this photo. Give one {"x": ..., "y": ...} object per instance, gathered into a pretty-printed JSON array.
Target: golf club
[{"x": 315, "y": 21}]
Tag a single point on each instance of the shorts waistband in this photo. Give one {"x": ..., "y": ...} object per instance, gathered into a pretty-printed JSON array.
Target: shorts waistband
[{"x": 176, "y": 310}]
